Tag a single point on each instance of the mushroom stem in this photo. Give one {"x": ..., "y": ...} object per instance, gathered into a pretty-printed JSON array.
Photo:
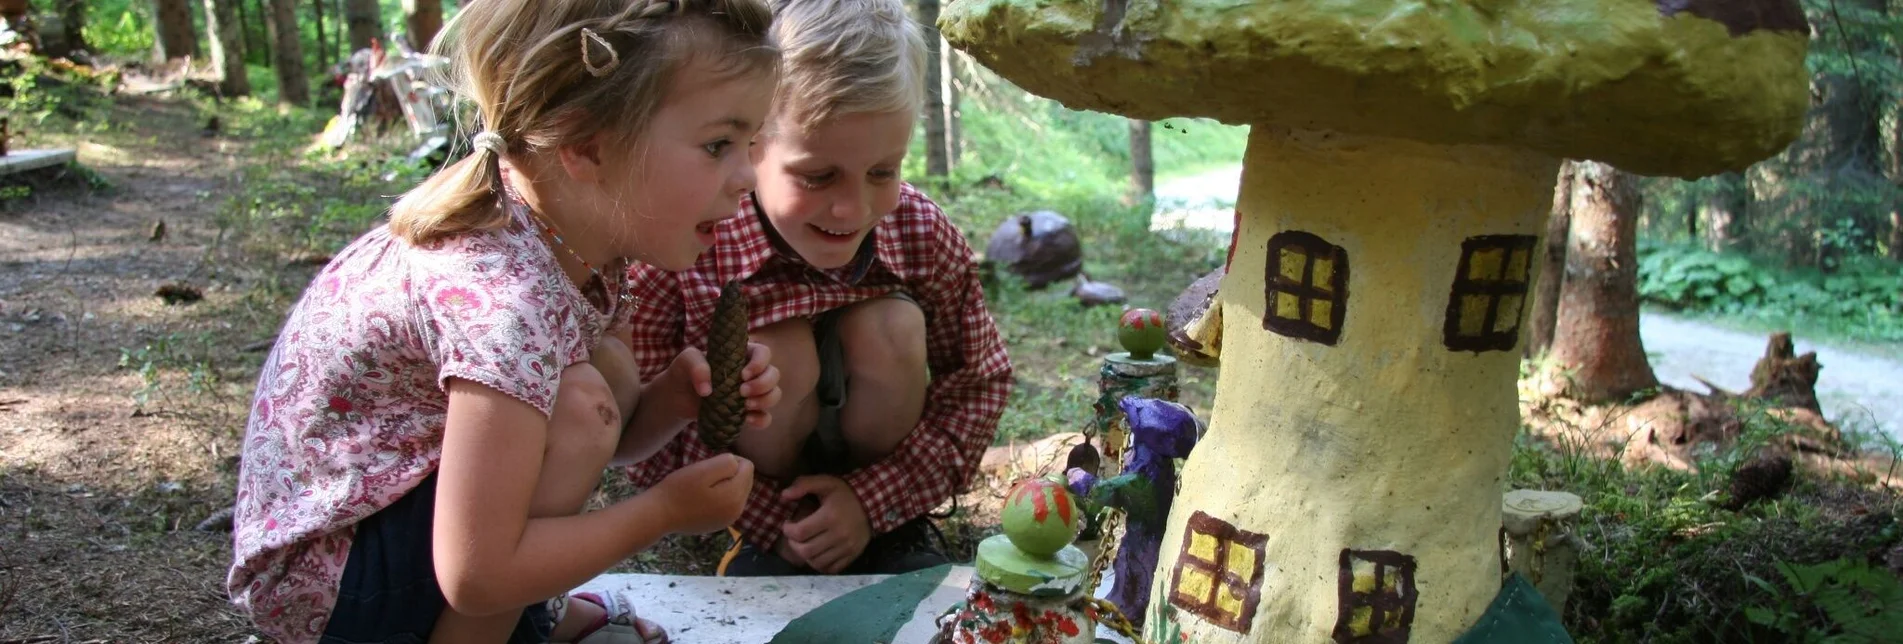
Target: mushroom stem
[{"x": 1367, "y": 401}]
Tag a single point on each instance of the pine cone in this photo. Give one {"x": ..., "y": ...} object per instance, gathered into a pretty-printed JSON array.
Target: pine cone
[{"x": 723, "y": 411}]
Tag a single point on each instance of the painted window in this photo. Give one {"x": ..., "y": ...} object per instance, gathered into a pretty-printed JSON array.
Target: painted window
[
  {"x": 1307, "y": 287},
  {"x": 1483, "y": 313},
  {"x": 1377, "y": 597},
  {"x": 1219, "y": 572}
]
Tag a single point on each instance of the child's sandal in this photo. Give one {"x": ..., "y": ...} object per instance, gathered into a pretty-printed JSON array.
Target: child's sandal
[{"x": 617, "y": 625}]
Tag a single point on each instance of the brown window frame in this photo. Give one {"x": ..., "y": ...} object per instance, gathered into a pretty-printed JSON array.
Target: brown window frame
[
  {"x": 1494, "y": 289},
  {"x": 1305, "y": 291},
  {"x": 1400, "y": 600},
  {"x": 1227, "y": 536}
]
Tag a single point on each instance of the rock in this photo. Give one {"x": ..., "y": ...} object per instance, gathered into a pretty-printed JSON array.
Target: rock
[
  {"x": 1096, "y": 293},
  {"x": 179, "y": 293},
  {"x": 219, "y": 521},
  {"x": 1040, "y": 247},
  {"x": 1763, "y": 478}
]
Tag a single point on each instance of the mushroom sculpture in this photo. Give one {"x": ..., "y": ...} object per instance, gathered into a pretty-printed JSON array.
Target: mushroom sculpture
[{"x": 1400, "y": 163}]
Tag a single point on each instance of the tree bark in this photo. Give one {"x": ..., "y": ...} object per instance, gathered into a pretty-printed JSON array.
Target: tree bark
[
  {"x": 1896, "y": 236},
  {"x": 365, "y": 20},
  {"x": 263, "y": 41},
  {"x": 323, "y": 44},
  {"x": 1545, "y": 311},
  {"x": 1142, "y": 167},
  {"x": 1596, "y": 349},
  {"x": 954, "y": 133},
  {"x": 937, "y": 156},
  {"x": 227, "y": 47},
  {"x": 1720, "y": 211},
  {"x": 423, "y": 18},
  {"x": 173, "y": 27},
  {"x": 294, "y": 87},
  {"x": 72, "y": 14}
]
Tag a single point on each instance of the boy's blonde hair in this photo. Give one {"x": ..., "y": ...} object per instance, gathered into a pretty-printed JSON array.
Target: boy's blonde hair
[
  {"x": 542, "y": 74},
  {"x": 847, "y": 57}
]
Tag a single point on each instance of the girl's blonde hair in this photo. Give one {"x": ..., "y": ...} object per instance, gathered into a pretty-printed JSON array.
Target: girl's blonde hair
[
  {"x": 847, "y": 57},
  {"x": 542, "y": 74}
]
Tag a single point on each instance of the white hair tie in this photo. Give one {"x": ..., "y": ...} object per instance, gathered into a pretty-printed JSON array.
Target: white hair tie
[{"x": 486, "y": 140}]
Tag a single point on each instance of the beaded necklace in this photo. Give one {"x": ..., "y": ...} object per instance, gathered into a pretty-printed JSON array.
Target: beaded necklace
[{"x": 548, "y": 228}]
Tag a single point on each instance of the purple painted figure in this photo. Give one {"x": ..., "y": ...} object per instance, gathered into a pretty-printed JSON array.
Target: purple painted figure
[{"x": 1160, "y": 432}]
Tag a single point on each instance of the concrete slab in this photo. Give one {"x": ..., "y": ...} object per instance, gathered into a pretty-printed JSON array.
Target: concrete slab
[
  {"x": 732, "y": 610},
  {"x": 23, "y": 160}
]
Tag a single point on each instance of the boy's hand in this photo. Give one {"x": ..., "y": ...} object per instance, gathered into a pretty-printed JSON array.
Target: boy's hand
[
  {"x": 707, "y": 495},
  {"x": 833, "y": 536},
  {"x": 688, "y": 379}
]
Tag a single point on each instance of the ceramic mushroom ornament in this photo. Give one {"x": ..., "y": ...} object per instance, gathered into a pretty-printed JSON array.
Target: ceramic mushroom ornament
[{"x": 1400, "y": 164}]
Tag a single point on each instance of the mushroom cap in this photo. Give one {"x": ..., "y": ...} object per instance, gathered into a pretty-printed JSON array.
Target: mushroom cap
[
  {"x": 1672, "y": 87},
  {"x": 1192, "y": 336}
]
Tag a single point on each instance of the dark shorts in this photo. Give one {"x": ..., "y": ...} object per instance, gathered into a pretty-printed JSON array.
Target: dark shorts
[
  {"x": 825, "y": 452},
  {"x": 389, "y": 592}
]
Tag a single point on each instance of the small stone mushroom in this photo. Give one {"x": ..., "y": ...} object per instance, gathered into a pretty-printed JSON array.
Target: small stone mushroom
[
  {"x": 1040, "y": 247},
  {"x": 1195, "y": 322},
  {"x": 1349, "y": 486}
]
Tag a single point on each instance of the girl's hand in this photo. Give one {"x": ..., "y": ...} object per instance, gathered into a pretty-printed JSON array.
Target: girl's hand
[
  {"x": 706, "y": 496},
  {"x": 689, "y": 380}
]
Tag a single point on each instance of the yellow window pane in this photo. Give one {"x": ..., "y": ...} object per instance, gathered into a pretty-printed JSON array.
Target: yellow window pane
[
  {"x": 1485, "y": 264},
  {"x": 1227, "y": 601},
  {"x": 1509, "y": 316},
  {"x": 1202, "y": 547},
  {"x": 1364, "y": 577},
  {"x": 1241, "y": 563},
  {"x": 1516, "y": 266},
  {"x": 1324, "y": 273},
  {"x": 1319, "y": 312},
  {"x": 1288, "y": 306},
  {"x": 1358, "y": 622},
  {"x": 1291, "y": 263},
  {"x": 1194, "y": 584},
  {"x": 1473, "y": 315}
]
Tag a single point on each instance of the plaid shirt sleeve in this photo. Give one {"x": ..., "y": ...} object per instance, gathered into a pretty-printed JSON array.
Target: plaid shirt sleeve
[
  {"x": 971, "y": 380},
  {"x": 656, "y": 322}
]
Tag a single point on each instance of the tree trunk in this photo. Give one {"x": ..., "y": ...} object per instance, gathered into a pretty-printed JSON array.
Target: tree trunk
[
  {"x": 954, "y": 133},
  {"x": 1596, "y": 348},
  {"x": 937, "y": 156},
  {"x": 1545, "y": 311},
  {"x": 1142, "y": 167},
  {"x": 263, "y": 41},
  {"x": 423, "y": 18},
  {"x": 72, "y": 14},
  {"x": 365, "y": 18},
  {"x": 173, "y": 28},
  {"x": 1720, "y": 210},
  {"x": 323, "y": 44},
  {"x": 294, "y": 88},
  {"x": 1896, "y": 236},
  {"x": 227, "y": 48}
]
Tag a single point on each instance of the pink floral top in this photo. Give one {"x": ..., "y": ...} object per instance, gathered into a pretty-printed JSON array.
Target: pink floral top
[{"x": 349, "y": 411}]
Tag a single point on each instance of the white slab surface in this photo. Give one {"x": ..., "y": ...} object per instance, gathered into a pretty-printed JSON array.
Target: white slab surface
[{"x": 23, "y": 160}]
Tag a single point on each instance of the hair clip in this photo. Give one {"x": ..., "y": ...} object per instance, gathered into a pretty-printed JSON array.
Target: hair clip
[{"x": 587, "y": 61}]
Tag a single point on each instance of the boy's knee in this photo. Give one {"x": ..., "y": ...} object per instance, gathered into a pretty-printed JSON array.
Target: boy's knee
[
  {"x": 884, "y": 338},
  {"x": 794, "y": 353},
  {"x": 586, "y": 420}
]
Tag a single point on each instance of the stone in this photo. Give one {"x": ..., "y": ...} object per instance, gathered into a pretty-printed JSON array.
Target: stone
[{"x": 1040, "y": 247}]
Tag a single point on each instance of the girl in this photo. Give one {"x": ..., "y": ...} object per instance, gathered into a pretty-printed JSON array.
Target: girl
[{"x": 429, "y": 425}]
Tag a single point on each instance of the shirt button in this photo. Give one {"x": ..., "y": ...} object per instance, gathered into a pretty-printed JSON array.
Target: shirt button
[{"x": 891, "y": 516}]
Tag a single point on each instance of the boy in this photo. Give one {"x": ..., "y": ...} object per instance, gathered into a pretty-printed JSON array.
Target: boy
[{"x": 892, "y": 370}]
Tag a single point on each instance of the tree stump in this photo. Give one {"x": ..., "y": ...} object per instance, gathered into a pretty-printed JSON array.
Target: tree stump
[{"x": 1785, "y": 378}]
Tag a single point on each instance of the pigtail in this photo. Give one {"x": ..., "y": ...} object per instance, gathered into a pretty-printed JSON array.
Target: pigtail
[{"x": 467, "y": 196}]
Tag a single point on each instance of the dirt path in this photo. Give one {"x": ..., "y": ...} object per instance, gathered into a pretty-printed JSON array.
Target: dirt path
[
  {"x": 98, "y": 491},
  {"x": 1857, "y": 390}
]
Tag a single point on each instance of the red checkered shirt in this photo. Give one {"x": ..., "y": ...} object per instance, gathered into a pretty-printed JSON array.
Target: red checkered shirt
[{"x": 915, "y": 248}]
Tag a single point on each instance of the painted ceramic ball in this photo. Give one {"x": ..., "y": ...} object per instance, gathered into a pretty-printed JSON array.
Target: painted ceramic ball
[
  {"x": 1141, "y": 332},
  {"x": 1040, "y": 517}
]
